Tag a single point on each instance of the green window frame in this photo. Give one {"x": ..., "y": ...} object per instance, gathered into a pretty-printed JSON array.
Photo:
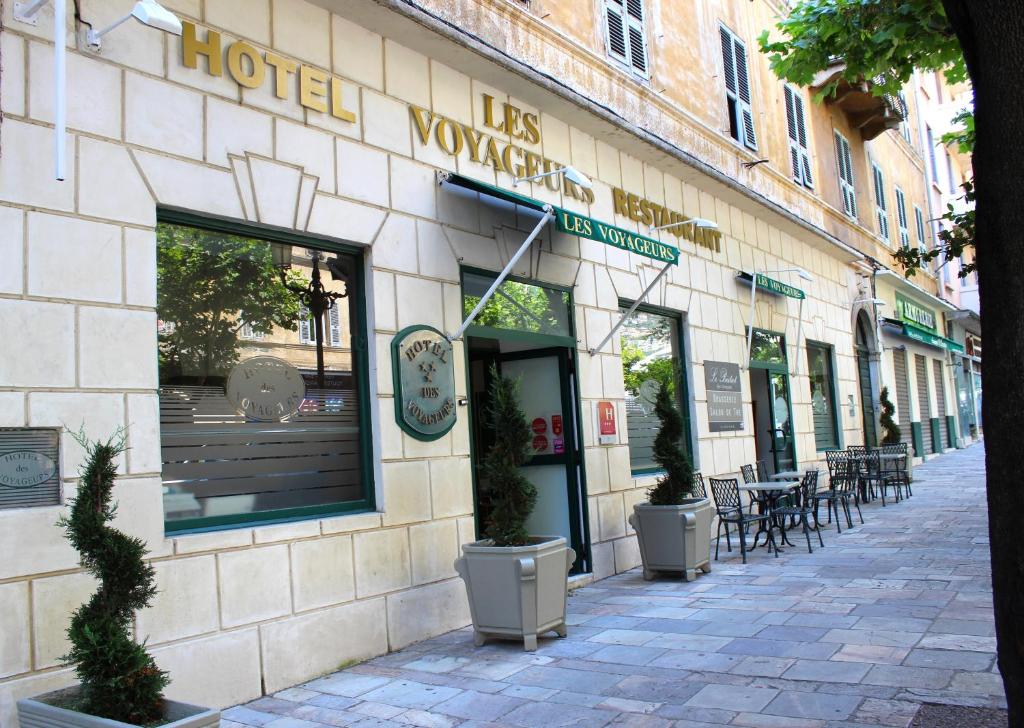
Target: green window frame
[
  {"x": 822, "y": 381},
  {"x": 358, "y": 347},
  {"x": 640, "y": 416}
]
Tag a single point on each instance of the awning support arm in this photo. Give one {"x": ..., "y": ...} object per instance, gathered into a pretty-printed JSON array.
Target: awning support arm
[
  {"x": 636, "y": 303},
  {"x": 549, "y": 214},
  {"x": 799, "y": 330}
]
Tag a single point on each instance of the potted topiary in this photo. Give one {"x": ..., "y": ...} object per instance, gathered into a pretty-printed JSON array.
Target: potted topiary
[
  {"x": 674, "y": 527},
  {"x": 120, "y": 684},
  {"x": 516, "y": 583},
  {"x": 889, "y": 426}
]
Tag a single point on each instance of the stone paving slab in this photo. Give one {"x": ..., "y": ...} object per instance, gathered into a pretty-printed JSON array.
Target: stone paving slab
[{"x": 887, "y": 616}]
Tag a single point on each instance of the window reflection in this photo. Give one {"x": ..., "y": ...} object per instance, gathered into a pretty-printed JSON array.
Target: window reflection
[{"x": 517, "y": 306}]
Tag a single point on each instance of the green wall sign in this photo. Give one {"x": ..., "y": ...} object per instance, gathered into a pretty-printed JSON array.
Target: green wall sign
[
  {"x": 424, "y": 375},
  {"x": 586, "y": 227},
  {"x": 907, "y": 310},
  {"x": 771, "y": 285}
]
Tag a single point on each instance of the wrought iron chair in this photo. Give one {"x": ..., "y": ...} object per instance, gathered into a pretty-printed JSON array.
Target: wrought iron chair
[
  {"x": 729, "y": 507},
  {"x": 802, "y": 506},
  {"x": 858, "y": 457},
  {"x": 842, "y": 487},
  {"x": 699, "y": 491},
  {"x": 749, "y": 476},
  {"x": 762, "y": 472},
  {"x": 894, "y": 471},
  {"x": 871, "y": 476}
]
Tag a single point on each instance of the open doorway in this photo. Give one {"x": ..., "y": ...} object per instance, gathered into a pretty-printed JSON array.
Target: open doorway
[
  {"x": 770, "y": 402},
  {"x": 543, "y": 361}
]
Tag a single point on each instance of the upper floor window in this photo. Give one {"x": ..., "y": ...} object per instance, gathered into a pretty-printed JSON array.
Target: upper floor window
[
  {"x": 845, "y": 165},
  {"x": 796, "y": 128},
  {"x": 931, "y": 153},
  {"x": 737, "y": 89},
  {"x": 905, "y": 124},
  {"x": 626, "y": 44},
  {"x": 881, "y": 207},
  {"x": 901, "y": 218},
  {"x": 922, "y": 244}
]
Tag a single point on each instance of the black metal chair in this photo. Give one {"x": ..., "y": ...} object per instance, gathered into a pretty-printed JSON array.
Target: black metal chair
[
  {"x": 762, "y": 472},
  {"x": 858, "y": 457},
  {"x": 729, "y": 507},
  {"x": 801, "y": 507},
  {"x": 871, "y": 476},
  {"x": 699, "y": 491},
  {"x": 749, "y": 476},
  {"x": 893, "y": 472},
  {"x": 842, "y": 487}
]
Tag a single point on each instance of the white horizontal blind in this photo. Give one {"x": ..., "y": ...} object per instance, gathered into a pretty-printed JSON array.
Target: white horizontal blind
[
  {"x": 796, "y": 129},
  {"x": 881, "y": 209},
  {"x": 844, "y": 162}
]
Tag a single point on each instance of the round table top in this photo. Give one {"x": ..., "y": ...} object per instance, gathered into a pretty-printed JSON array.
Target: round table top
[{"x": 770, "y": 486}]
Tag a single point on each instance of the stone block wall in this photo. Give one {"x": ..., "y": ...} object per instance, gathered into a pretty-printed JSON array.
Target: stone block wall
[{"x": 254, "y": 609}]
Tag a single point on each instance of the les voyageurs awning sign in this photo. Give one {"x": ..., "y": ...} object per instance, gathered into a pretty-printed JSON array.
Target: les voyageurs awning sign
[{"x": 586, "y": 227}]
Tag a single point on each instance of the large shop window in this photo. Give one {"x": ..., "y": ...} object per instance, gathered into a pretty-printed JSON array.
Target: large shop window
[
  {"x": 262, "y": 377},
  {"x": 823, "y": 396},
  {"x": 651, "y": 359}
]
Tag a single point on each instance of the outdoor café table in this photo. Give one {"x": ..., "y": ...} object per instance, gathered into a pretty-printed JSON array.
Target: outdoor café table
[
  {"x": 767, "y": 495},
  {"x": 787, "y": 475}
]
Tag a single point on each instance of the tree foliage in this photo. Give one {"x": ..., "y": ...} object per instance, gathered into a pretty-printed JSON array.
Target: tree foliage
[
  {"x": 119, "y": 679},
  {"x": 209, "y": 285},
  {"x": 882, "y": 41},
  {"x": 512, "y": 495},
  {"x": 676, "y": 485},
  {"x": 891, "y": 429}
]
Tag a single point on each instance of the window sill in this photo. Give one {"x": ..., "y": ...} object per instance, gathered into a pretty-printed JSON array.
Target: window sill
[{"x": 227, "y": 536}]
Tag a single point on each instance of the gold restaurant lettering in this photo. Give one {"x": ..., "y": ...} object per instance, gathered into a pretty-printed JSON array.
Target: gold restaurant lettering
[
  {"x": 247, "y": 65},
  {"x": 652, "y": 214}
]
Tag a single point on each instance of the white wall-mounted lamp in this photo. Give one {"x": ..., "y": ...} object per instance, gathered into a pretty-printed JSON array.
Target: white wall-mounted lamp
[
  {"x": 147, "y": 12},
  {"x": 753, "y": 292},
  {"x": 698, "y": 222},
  {"x": 571, "y": 173}
]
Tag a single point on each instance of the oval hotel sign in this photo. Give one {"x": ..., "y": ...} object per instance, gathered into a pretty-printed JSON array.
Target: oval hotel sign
[
  {"x": 424, "y": 374},
  {"x": 25, "y": 469}
]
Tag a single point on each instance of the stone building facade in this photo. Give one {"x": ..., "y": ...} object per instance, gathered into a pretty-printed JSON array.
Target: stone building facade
[{"x": 322, "y": 127}]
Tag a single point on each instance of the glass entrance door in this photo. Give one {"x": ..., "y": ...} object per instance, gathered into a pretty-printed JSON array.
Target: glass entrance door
[
  {"x": 782, "y": 427},
  {"x": 547, "y": 395}
]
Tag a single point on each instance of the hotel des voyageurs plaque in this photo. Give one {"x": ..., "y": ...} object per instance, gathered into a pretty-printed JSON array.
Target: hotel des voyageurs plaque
[
  {"x": 424, "y": 374},
  {"x": 29, "y": 470}
]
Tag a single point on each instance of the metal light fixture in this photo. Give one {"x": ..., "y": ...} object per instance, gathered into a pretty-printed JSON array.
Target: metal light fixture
[
  {"x": 698, "y": 222},
  {"x": 571, "y": 173},
  {"x": 147, "y": 12}
]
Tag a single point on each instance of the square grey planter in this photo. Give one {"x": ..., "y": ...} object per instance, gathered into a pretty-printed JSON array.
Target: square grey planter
[
  {"x": 517, "y": 591},
  {"x": 38, "y": 713},
  {"x": 674, "y": 538}
]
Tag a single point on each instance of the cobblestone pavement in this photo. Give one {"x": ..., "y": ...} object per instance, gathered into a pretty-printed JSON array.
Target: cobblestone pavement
[{"x": 887, "y": 616}]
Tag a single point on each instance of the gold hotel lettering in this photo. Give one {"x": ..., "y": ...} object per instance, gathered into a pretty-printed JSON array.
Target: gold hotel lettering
[{"x": 318, "y": 90}]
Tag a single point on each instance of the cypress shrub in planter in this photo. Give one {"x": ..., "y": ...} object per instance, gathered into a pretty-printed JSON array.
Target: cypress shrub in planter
[
  {"x": 674, "y": 527},
  {"x": 516, "y": 582},
  {"x": 119, "y": 682},
  {"x": 889, "y": 426}
]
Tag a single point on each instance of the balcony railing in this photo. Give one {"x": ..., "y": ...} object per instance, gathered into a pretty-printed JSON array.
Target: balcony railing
[{"x": 866, "y": 111}]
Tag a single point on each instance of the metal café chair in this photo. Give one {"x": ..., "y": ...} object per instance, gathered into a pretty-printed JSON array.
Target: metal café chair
[
  {"x": 699, "y": 491},
  {"x": 842, "y": 487},
  {"x": 762, "y": 472},
  {"x": 801, "y": 508},
  {"x": 747, "y": 471},
  {"x": 871, "y": 476},
  {"x": 893, "y": 470},
  {"x": 729, "y": 507}
]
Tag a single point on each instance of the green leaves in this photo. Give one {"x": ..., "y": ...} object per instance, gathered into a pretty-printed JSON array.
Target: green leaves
[{"x": 875, "y": 39}]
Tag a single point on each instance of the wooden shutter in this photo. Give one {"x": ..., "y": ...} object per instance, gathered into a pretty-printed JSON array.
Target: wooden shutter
[
  {"x": 637, "y": 43},
  {"x": 743, "y": 92},
  {"x": 615, "y": 16},
  {"x": 940, "y": 398},
  {"x": 845, "y": 167},
  {"x": 899, "y": 362},
  {"x": 901, "y": 218},
  {"x": 334, "y": 317},
  {"x": 796, "y": 129},
  {"x": 305, "y": 326},
  {"x": 881, "y": 210},
  {"x": 728, "y": 62}
]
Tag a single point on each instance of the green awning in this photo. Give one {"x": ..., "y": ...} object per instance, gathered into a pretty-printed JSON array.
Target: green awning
[
  {"x": 573, "y": 223},
  {"x": 925, "y": 336},
  {"x": 764, "y": 283}
]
